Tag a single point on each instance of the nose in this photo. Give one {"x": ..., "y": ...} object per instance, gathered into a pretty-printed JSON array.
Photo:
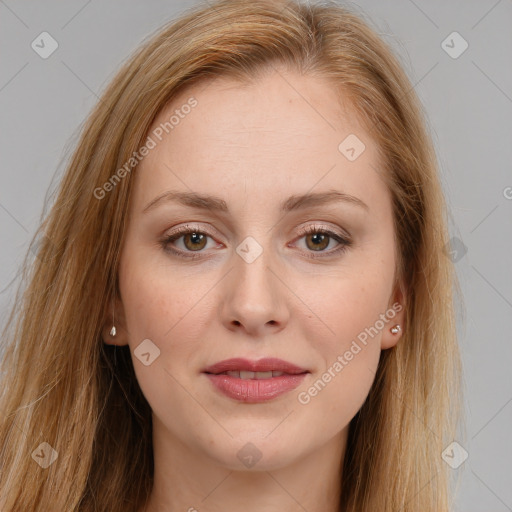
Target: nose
[{"x": 254, "y": 298}]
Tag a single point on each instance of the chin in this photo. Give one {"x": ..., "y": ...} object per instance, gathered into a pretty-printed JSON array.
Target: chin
[{"x": 254, "y": 452}]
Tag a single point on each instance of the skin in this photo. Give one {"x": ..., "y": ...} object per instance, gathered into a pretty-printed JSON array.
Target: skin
[{"x": 254, "y": 146}]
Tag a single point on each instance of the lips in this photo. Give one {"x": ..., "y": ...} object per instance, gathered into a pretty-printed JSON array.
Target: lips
[
  {"x": 255, "y": 381},
  {"x": 263, "y": 365}
]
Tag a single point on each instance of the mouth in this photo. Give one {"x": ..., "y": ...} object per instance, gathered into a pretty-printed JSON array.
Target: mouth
[
  {"x": 255, "y": 381},
  {"x": 246, "y": 375}
]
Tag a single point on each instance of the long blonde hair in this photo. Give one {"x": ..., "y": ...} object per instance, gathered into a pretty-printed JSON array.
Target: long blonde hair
[{"x": 62, "y": 385}]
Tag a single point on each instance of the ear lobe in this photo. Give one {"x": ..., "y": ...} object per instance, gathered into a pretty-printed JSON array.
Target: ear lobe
[
  {"x": 108, "y": 339},
  {"x": 114, "y": 331},
  {"x": 390, "y": 338}
]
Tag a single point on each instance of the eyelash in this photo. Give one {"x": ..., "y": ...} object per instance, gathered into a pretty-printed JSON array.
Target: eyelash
[{"x": 345, "y": 243}]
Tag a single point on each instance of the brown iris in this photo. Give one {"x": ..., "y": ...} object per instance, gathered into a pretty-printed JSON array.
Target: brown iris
[
  {"x": 320, "y": 241},
  {"x": 197, "y": 241}
]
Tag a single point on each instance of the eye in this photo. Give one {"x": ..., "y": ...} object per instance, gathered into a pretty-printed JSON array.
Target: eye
[
  {"x": 194, "y": 240},
  {"x": 317, "y": 239}
]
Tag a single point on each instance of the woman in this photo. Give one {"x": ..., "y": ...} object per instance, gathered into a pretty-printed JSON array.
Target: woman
[{"x": 242, "y": 294}]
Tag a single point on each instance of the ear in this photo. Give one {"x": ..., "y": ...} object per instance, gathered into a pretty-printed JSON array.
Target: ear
[
  {"x": 397, "y": 305},
  {"x": 114, "y": 316}
]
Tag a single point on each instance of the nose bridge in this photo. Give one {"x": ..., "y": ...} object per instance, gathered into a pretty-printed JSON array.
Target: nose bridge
[
  {"x": 253, "y": 298},
  {"x": 252, "y": 262}
]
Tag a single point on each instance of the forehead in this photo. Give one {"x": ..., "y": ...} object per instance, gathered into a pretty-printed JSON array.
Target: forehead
[{"x": 279, "y": 132}]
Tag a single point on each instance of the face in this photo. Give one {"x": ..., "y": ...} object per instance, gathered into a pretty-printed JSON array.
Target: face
[{"x": 280, "y": 246}]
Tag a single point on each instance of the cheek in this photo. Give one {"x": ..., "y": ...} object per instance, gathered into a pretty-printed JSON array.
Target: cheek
[
  {"x": 173, "y": 314},
  {"x": 152, "y": 299},
  {"x": 346, "y": 307},
  {"x": 345, "y": 325},
  {"x": 349, "y": 348},
  {"x": 172, "y": 310}
]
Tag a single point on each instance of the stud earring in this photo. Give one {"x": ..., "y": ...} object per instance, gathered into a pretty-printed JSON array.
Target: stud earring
[
  {"x": 113, "y": 331},
  {"x": 395, "y": 329}
]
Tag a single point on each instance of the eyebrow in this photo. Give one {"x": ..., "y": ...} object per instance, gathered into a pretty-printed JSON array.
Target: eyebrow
[{"x": 295, "y": 202}]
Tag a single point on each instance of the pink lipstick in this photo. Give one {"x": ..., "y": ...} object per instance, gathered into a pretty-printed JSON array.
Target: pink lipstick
[{"x": 255, "y": 381}]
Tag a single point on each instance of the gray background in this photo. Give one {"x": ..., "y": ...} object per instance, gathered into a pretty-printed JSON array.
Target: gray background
[{"x": 469, "y": 105}]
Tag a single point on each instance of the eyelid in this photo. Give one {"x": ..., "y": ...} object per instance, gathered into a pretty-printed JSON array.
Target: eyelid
[
  {"x": 189, "y": 227},
  {"x": 310, "y": 228},
  {"x": 314, "y": 228}
]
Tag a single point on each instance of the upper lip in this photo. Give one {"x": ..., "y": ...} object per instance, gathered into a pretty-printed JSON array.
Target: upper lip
[{"x": 261, "y": 365}]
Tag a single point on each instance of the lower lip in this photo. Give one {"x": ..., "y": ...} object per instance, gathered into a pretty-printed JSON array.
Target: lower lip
[{"x": 255, "y": 390}]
